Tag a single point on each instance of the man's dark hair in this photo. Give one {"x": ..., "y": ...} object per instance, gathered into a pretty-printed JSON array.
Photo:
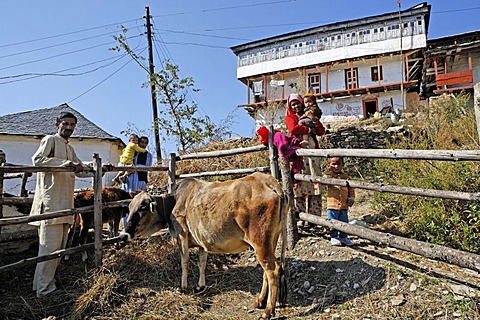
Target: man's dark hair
[
  {"x": 143, "y": 138},
  {"x": 66, "y": 114}
]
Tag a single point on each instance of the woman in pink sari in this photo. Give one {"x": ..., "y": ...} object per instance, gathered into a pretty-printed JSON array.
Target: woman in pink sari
[{"x": 308, "y": 196}]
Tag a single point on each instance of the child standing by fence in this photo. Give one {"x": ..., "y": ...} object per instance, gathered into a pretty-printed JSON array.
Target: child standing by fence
[
  {"x": 126, "y": 158},
  {"x": 339, "y": 198}
]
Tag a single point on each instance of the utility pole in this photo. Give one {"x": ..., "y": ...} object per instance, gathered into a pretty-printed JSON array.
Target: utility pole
[
  {"x": 152, "y": 87},
  {"x": 402, "y": 60}
]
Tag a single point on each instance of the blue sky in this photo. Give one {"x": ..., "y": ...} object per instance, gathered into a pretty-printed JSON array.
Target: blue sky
[{"x": 72, "y": 38}]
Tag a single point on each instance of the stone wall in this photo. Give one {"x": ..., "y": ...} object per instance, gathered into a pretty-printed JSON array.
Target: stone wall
[{"x": 364, "y": 138}]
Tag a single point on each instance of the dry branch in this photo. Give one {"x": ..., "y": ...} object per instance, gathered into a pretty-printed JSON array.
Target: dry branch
[
  {"x": 19, "y": 235},
  {"x": 224, "y": 172},
  {"x": 428, "y": 250},
  {"x": 220, "y": 153},
  {"x": 57, "y": 254},
  {"x": 445, "y": 155},
  {"x": 60, "y": 213},
  {"x": 456, "y": 195}
]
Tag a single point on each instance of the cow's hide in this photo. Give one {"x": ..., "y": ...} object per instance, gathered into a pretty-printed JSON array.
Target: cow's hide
[
  {"x": 85, "y": 221},
  {"x": 219, "y": 217}
]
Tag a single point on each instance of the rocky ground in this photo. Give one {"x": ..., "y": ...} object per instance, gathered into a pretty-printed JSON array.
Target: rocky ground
[{"x": 365, "y": 281}]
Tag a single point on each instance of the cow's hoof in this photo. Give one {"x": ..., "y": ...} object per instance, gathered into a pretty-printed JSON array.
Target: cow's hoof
[
  {"x": 266, "y": 314},
  {"x": 198, "y": 290},
  {"x": 260, "y": 304}
]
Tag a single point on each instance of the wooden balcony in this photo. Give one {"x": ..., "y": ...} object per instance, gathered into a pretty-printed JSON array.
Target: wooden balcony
[
  {"x": 454, "y": 81},
  {"x": 395, "y": 86}
]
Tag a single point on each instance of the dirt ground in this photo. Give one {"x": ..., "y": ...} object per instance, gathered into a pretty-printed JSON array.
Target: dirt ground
[{"x": 140, "y": 280}]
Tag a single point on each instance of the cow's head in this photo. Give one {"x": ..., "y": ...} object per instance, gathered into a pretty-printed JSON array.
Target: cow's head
[{"x": 148, "y": 214}]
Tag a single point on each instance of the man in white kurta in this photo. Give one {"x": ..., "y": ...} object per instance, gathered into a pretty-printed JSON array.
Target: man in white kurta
[{"x": 53, "y": 192}]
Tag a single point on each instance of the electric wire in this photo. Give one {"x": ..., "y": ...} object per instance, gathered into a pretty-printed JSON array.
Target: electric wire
[
  {"x": 59, "y": 73},
  {"x": 190, "y": 93},
  {"x": 66, "y": 34},
  {"x": 57, "y": 55},
  {"x": 102, "y": 81}
]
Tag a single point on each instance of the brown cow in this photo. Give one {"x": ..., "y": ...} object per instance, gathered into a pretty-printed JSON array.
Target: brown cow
[
  {"x": 219, "y": 217},
  {"x": 85, "y": 221}
]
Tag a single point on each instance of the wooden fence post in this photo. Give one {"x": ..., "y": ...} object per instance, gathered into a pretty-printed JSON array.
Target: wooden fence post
[
  {"x": 97, "y": 208},
  {"x": 292, "y": 231},
  {"x": 171, "y": 174},
  {"x": 273, "y": 154},
  {"x": 3, "y": 160},
  {"x": 23, "y": 189},
  {"x": 476, "y": 106}
]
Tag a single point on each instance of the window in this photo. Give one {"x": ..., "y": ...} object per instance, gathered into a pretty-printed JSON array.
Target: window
[
  {"x": 314, "y": 83},
  {"x": 257, "y": 88},
  {"x": 382, "y": 29},
  {"x": 376, "y": 73},
  {"x": 351, "y": 79}
]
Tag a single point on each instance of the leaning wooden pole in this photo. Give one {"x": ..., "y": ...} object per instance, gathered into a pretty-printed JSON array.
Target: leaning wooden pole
[
  {"x": 171, "y": 174},
  {"x": 428, "y": 250},
  {"x": 292, "y": 231},
  {"x": 273, "y": 154},
  {"x": 97, "y": 208}
]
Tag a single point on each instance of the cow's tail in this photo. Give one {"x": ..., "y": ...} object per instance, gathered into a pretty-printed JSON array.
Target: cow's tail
[{"x": 282, "y": 286}]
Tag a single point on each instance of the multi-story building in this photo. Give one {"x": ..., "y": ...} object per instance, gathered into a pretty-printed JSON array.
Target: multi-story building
[{"x": 354, "y": 68}]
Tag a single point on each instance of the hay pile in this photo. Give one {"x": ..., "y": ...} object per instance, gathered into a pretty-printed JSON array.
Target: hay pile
[{"x": 141, "y": 280}]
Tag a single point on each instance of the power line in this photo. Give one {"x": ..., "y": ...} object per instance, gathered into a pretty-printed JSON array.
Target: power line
[
  {"x": 55, "y": 45},
  {"x": 111, "y": 75},
  {"x": 225, "y": 8},
  {"x": 457, "y": 10},
  {"x": 195, "y": 44},
  {"x": 59, "y": 74},
  {"x": 167, "y": 54},
  {"x": 66, "y": 34},
  {"x": 203, "y": 35},
  {"x": 58, "y": 55}
]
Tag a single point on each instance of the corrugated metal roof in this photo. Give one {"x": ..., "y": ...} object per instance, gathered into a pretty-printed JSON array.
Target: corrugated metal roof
[{"x": 42, "y": 122}]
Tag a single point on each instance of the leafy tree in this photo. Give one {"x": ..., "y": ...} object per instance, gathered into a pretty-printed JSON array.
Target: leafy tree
[{"x": 180, "y": 119}]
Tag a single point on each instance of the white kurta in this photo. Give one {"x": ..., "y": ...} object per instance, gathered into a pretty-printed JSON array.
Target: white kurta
[{"x": 54, "y": 190}]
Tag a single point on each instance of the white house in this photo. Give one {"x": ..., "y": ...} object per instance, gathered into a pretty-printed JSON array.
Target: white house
[
  {"x": 20, "y": 135},
  {"x": 354, "y": 68}
]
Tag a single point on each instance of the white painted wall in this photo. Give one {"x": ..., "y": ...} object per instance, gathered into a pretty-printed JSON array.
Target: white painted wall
[
  {"x": 19, "y": 150},
  {"x": 322, "y": 57},
  {"x": 333, "y": 110},
  {"x": 352, "y": 107}
]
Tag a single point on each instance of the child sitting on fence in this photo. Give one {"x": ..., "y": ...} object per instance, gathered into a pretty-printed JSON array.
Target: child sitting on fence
[{"x": 126, "y": 158}]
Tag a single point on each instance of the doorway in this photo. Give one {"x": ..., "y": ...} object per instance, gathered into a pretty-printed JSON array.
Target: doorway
[{"x": 370, "y": 106}]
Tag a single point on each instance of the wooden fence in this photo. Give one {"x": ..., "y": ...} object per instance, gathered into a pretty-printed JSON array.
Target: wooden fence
[{"x": 458, "y": 257}]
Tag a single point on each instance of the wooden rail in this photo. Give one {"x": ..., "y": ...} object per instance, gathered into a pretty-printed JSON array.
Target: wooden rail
[{"x": 469, "y": 260}]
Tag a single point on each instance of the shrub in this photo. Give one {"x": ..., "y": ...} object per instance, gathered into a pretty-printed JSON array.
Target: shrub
[{"x": 446, "y": 125}]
